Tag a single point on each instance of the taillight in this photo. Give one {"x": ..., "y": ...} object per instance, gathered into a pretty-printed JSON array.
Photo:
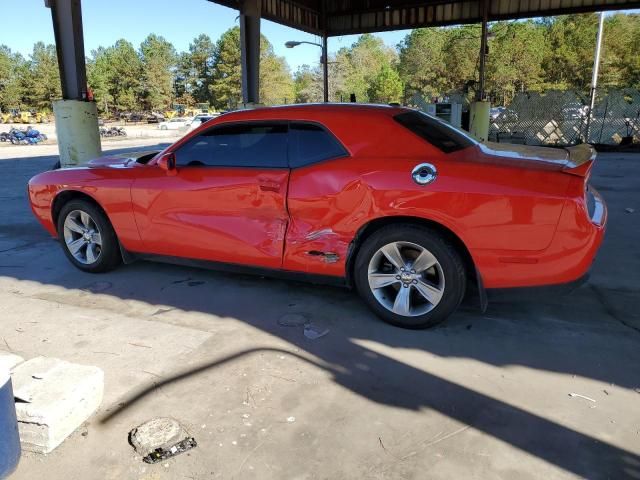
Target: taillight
[
  {"x": 595, "y": 205},
  {"x": 590, "y": 200}
]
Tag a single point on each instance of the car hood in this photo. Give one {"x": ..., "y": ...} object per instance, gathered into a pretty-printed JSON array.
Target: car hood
[
  {"x": 123, "y": 160},
  {"x": 575, "y": 160}
]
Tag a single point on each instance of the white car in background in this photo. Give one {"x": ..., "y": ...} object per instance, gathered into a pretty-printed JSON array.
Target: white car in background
[
  {"x": 173, "y": 124},
  {"x": 200, "y": 119}
]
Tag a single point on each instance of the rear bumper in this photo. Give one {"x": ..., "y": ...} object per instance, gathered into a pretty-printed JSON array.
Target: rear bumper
[
  {"x": 535, "y": 293},
  {"x": 566, "y": 261}
]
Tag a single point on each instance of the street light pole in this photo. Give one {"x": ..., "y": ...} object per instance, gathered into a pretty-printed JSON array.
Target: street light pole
[{"x": 323, "y": 60}]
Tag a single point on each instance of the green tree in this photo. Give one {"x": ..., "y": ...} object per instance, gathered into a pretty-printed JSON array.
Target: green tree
[
  {"x": 42, "y": 84},
  {"x": 360, "y": 64},
  {"x": 422, "y": 62},
  {"x": 114, "y": 75},
  {"x": 158, "y": 60},
  {"x": 515, "y": 59},
  {"x": 13, "y": 70},
  {"x": 226, "y": 84},
  {"x": 99, "y": 77},
  {"x": 461, "y": 56},
  {"x": 386, "y": 86},
  {"x": 201, "y": 59},
  {"x": 620, "y": 65},
  {"x": 276, "y": 84},
  {"x": 307, "y": 84},
  {"x": 569, "y": 59}
]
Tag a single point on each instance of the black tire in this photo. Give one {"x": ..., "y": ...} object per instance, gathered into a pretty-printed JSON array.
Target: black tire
[
  {"x": 452, "y": 270},
  {"x": 109, "y": 256}
]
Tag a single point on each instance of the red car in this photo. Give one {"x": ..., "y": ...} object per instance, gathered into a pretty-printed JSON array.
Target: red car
[{"x": 407, "y": 209}]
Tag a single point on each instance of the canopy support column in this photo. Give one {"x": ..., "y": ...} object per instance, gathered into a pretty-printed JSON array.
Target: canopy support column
[
  {"x": 480, "y": 109},
  {"x": 250, "y": 51},
  {"x": 76, "y": 118}
]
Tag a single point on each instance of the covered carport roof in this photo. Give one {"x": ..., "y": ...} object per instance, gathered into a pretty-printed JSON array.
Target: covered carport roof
[{"x": 343, "y": 17}]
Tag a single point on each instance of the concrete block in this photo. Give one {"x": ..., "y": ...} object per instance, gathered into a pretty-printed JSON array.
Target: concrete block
[
  {"x": 53, "y": 398},
  {"x": 9, "y": 360}
]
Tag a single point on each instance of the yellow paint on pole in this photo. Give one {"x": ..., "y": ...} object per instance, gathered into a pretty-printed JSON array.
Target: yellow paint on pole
[
  {"x": 479, "y": 121},
  {"x": 77, "y": 131}
]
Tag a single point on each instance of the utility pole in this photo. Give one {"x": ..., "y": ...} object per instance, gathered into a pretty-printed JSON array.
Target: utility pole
[
  {"x": 594, "y": 76},
  {"x": 325, "y": 68}
]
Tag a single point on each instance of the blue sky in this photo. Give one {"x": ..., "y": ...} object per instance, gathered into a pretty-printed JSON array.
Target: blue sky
[{"x": 179, "y": 21}]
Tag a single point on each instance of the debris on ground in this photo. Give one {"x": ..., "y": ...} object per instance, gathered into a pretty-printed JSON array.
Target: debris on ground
[
  {"x": 160, "y": 454},
  {"x": 291, "y": 419},
  {"x": 582, "y": 396},
  {"x": 160, "y": 438},
  {"x": 313, "y": 332},
  {"x": 97, "y": 287},
  {"x": 292, "y": 320}
]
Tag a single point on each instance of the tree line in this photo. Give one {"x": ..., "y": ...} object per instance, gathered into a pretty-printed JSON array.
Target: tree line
[{"x": 533, "y": 55}]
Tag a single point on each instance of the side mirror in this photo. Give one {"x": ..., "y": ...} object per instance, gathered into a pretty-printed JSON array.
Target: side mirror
[{"x": 167, "y": 162}]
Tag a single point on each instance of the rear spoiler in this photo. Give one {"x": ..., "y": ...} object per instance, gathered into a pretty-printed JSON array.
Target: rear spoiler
[{"x": 580, "y": 160}]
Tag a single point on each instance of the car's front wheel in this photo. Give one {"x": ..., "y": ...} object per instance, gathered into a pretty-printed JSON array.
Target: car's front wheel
[
  {"x": 410, "y": 276},
  {"x": 87, "y": 237}
]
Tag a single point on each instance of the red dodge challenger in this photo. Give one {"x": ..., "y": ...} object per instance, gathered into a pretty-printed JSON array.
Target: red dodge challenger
[{"x": 407, "y": 209}]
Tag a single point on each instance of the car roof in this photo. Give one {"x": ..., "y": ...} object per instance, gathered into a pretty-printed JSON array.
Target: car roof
[{"x": 281, "y": 111}]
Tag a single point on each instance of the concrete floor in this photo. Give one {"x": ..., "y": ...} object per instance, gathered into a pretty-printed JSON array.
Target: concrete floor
[{"x": 483, "y": 396}]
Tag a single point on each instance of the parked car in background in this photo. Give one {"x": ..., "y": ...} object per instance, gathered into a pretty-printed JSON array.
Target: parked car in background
[
  {"x": 133, "y": 117},
  {"x": 503, "y": 113},
  {"x": 173, "y": 124},
  {"x": 155, "y": 117},
  {"x": 495, "y": 112},
  {"x": 574, "y": 111},
  {"x": 410, "y": 211},
  {"x": 199, "y": 120}
]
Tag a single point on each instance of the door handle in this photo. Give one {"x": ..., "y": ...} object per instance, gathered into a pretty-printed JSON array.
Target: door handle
[{"x": 270, "y": 186}]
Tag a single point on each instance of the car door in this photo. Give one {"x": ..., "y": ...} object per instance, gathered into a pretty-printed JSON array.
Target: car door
[{"x": 225, "y": 201}]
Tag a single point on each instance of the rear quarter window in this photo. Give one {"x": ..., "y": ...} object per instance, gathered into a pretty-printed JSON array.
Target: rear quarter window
[
  {"x": 438, "y": 133},
  {"x": 310, "y": 143}
]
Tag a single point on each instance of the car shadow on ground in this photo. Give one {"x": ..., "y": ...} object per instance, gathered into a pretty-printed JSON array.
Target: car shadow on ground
[{"x": 573, "y": 335}]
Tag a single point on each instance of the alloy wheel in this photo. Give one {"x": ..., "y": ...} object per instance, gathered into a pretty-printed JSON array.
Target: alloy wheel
[
  {"x": 406, "y": 279},
  {"x": 82, "y": 237}
]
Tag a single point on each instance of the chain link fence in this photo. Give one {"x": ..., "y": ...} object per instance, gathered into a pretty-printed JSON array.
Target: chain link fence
[{"x": 562, "y": 118}]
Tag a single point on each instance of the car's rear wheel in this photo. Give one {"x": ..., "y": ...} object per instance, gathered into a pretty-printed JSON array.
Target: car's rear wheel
[
  {"x": 410, "y": 276},
  {"x": 87, "y": 237}
]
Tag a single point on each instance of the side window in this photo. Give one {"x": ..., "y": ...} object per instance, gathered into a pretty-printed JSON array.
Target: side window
[
  {"x": 311, "y": 143},
  {"x": 435, "y": 131},
  {"x": 237, "y": 145}
]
